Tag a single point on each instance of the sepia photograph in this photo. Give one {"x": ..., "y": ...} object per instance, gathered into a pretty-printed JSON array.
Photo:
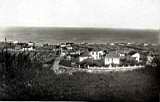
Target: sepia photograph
[{"x": 80, "y": 50}]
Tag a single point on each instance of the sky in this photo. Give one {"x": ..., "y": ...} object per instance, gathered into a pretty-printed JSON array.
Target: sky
[{"x": 136, "y": 14}]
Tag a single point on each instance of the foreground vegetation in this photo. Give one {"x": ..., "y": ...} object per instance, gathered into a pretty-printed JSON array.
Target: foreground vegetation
[{"x": 24, "y": 79}]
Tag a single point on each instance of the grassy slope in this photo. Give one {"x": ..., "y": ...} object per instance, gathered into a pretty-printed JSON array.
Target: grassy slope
[{"x": 141, "y": 85}]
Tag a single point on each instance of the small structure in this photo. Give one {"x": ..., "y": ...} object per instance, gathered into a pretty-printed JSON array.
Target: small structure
[
  {"x": 136, "y": 56},
  {"x": 31, "y": 44},
  {"x": 83, "y": 56},
  {"x": 145, "y": 44},
  {"x": 69, "y": 48},
  {"x": 112, "y": 44},
  {"x": 74, "y": 52},
  {"x": 37, "y": 44},
  {"x": 112, "y": 58},
  {"x": 96, "y": 54},
  {"x": 63, "y": 53},
  {"x": 122, "y": 54},
  {"x": 62, "y": 45},
  {"x": 28, "y": 49},
  {"x": 15, "y": 42},
  {"x": 149, "y": 59}
]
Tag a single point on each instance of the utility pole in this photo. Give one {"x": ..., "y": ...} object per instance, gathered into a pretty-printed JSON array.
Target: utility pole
[{"x": 5, "y": 45}]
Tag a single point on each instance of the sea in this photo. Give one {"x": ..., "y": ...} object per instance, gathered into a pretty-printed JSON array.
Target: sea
[{"x": 54, "y": 35}]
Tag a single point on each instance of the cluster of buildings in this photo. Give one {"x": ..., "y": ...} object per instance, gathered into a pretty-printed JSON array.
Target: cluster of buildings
[
  {"x": 18, "y": 46},
  {"x": 26, "y": 46},
  {"x": 82, "y": 55},
  {"x": 109, "y": 58},
  {"x": 87, "y": 55}
]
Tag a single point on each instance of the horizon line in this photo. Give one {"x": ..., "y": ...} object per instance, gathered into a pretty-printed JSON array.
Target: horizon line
[{"x": 83, "y": 27}]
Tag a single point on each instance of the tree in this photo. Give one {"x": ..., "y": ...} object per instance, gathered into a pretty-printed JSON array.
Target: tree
[{"x": 17, "y": 72}]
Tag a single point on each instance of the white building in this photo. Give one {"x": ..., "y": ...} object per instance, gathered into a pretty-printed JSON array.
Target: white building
[
  {"x": 145, "y": 44},
  {"x": 150, "y": 58},
  {"x": 30, "y": 44},
  {"x": 15, "y": 42},
  {"x": 121, "y": 54},
  {"x": 63, "y": 54},
  {"x": 111, "y": 60},
  {"x": 136, "y": 56},
  {"x": 62, "y": 45},
  {"x": 28, "y": 49},
  {"x": 112, "y": 44},
  {"x": 81, "y": 58},
  {"x": 96, "y": 55},
  {"x": 69, "y": 47},
  {"x": 38, "y": 44}
]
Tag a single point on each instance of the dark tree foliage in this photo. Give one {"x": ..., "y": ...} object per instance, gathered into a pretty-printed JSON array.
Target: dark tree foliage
[
  {"x": 17, "y": 72},
  {"x": 156, "y": 60},
  {"x": 156, "y": 57}
]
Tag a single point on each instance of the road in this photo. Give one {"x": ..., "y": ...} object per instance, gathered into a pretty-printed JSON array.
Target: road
[{"x": 55, "y": 65}]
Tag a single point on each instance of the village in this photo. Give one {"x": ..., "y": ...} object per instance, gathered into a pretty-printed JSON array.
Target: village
[
  {"x": 107, "y": 56},
  {"x": 86, "y": 55}
]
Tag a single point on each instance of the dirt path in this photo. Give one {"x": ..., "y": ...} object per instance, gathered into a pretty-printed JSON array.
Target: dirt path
[{"x": 55, "y": 65}]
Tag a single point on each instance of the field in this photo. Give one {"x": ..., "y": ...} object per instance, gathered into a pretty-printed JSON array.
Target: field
[
  {"x": 139, "y": 85},
  {"x": 25, "y": 79}
]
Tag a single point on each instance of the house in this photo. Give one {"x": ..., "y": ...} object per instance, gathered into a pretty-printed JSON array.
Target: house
[
  {"x": 83, "y": 56},
  {"x": 30, "y": 44},
  {"x": 96, "y": 54},
  {"x": 73, "y": 52},
  {"x": 145, "y": 44},
  {"x": 69, "y": 43},
  {"x": 112, "y": 58},
  {"x": 15, "y": 42},
  {"x": 28, "y": 49},
  {"x": 62, "y": 45},
  {"x": 122, "y": 54},
  {"x": 69, "y": 48},
  {"x": 19, "y": 46},
  {"x": 63, "y": 52},
  {"x": 149, "y": 59},
  {"x": 112, "y": 44},
  {"x": 38, "y": 44},
  {"x": 136, "y": 56}
]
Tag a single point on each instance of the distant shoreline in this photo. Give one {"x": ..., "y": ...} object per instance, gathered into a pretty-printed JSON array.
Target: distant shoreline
[{"x": 55, "y": 35}]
